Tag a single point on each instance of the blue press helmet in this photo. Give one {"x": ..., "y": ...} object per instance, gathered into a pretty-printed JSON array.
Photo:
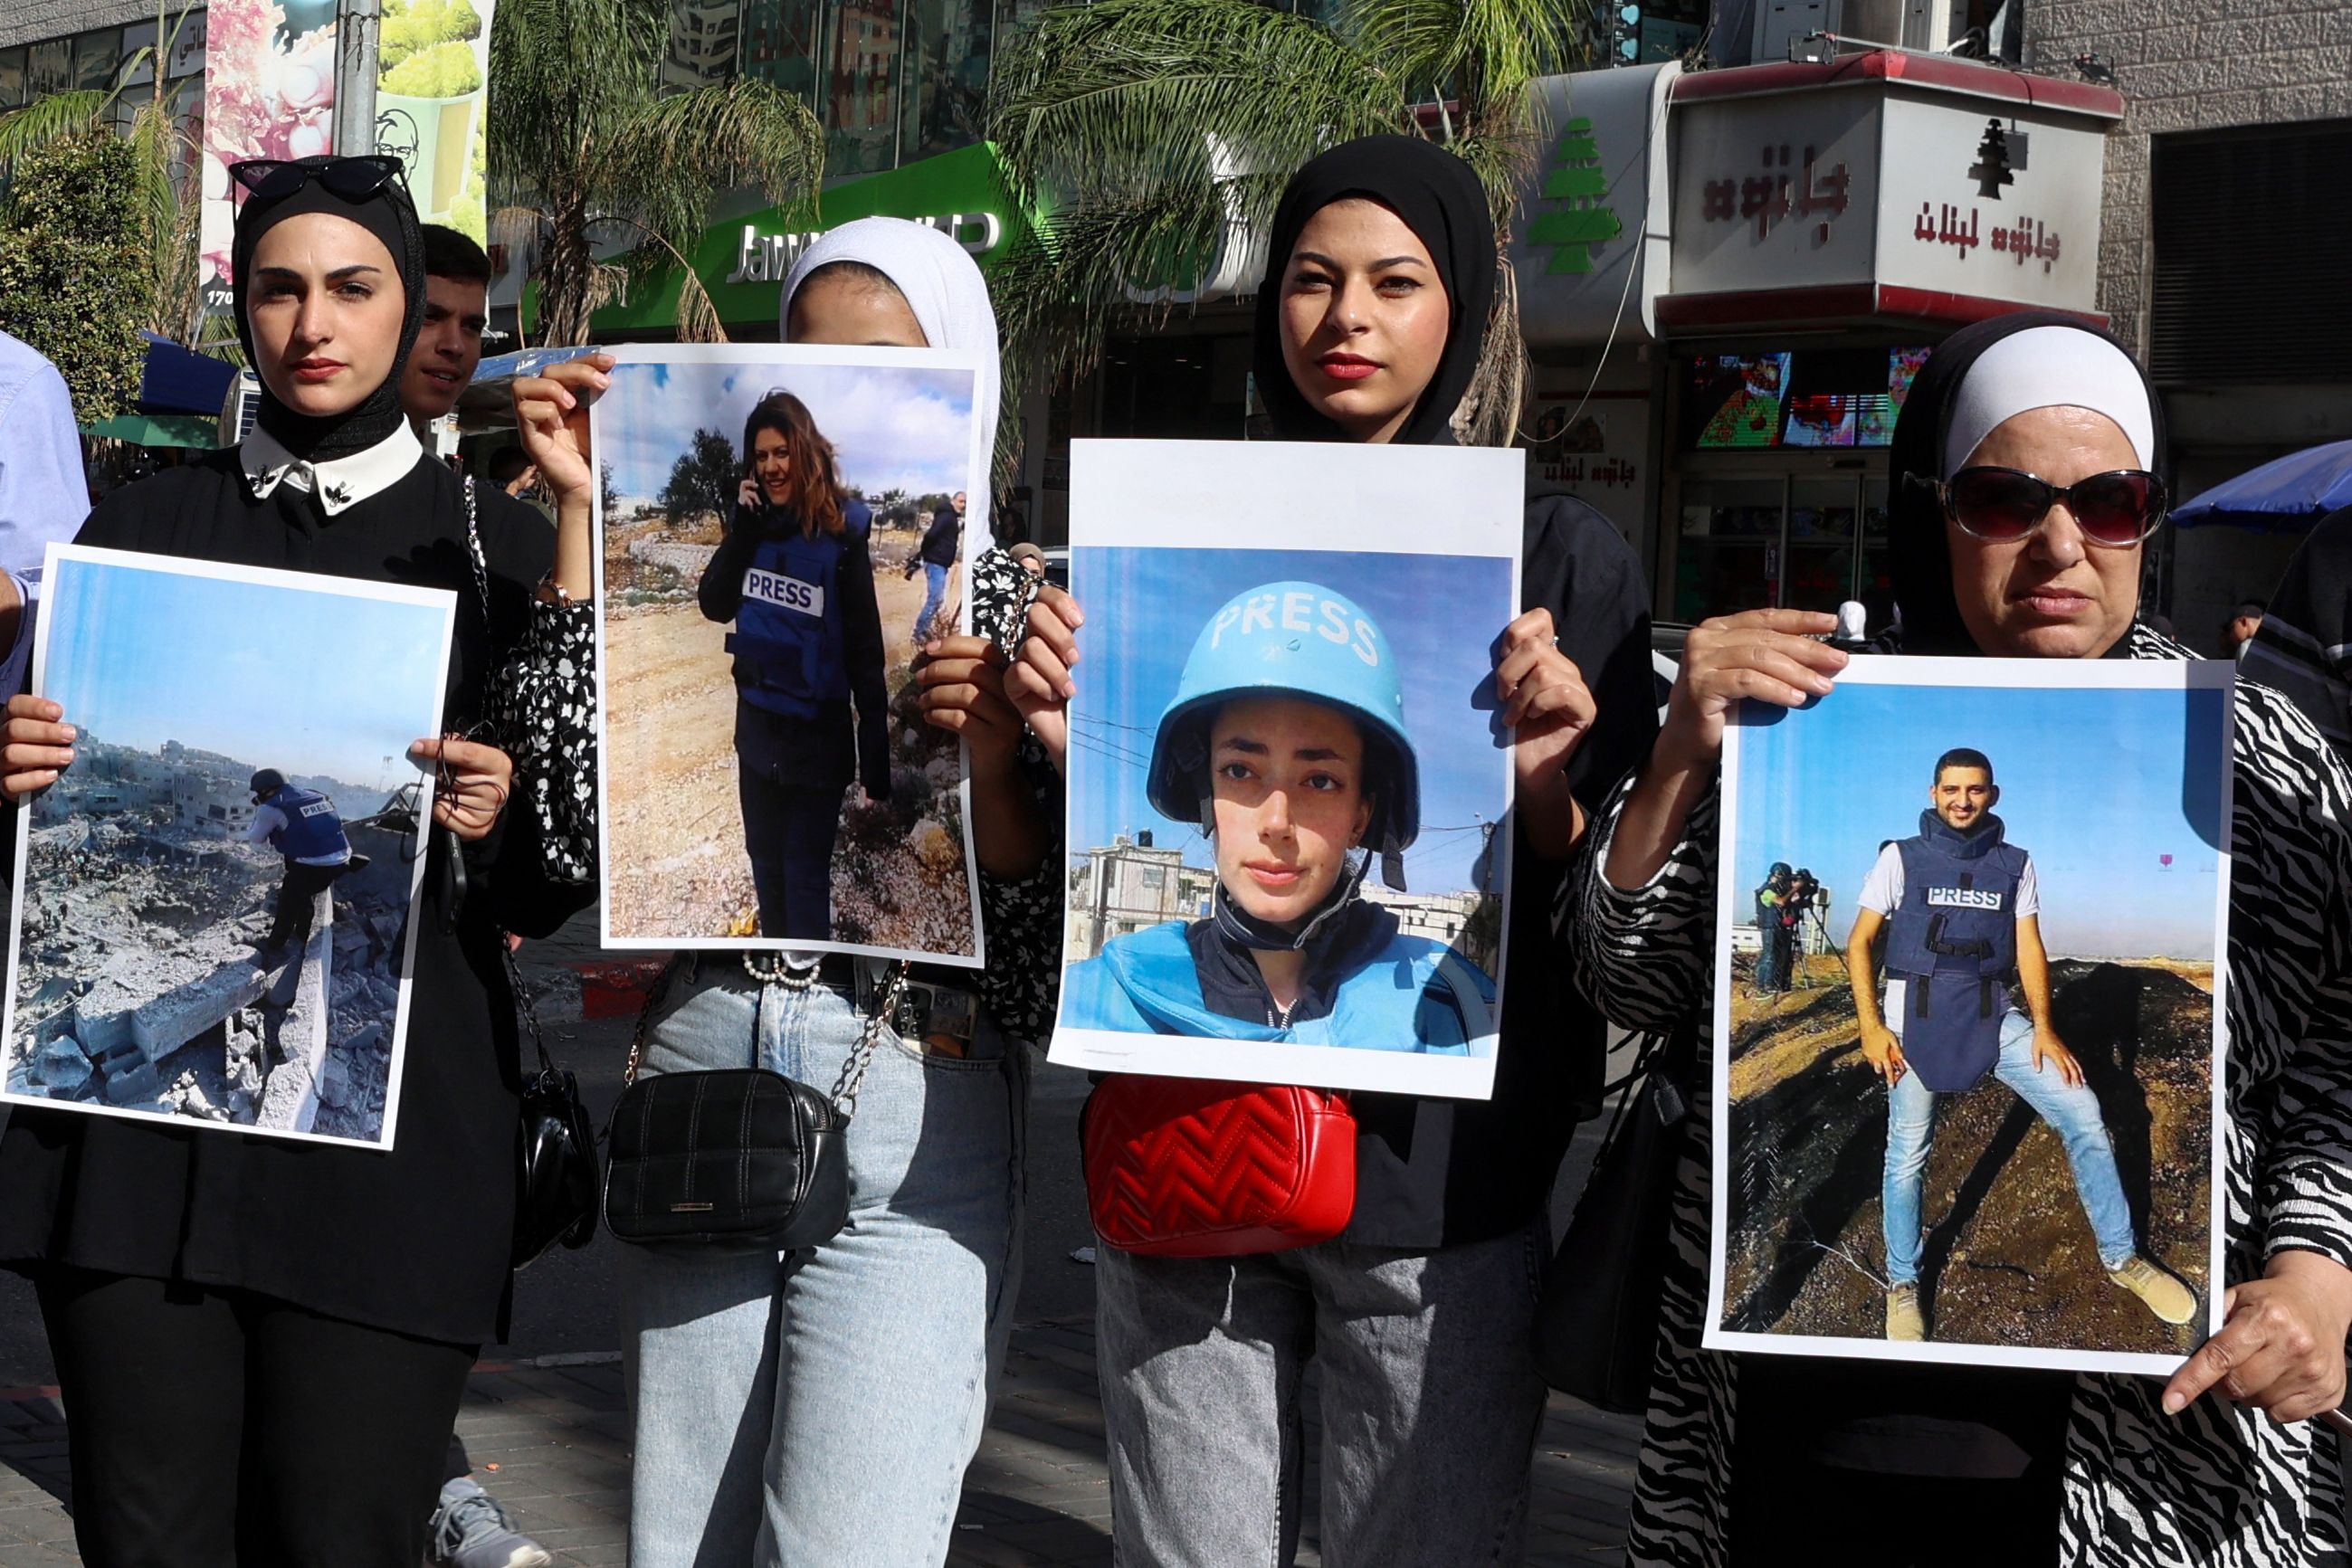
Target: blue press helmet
[{"x": 1301, "y": 640}]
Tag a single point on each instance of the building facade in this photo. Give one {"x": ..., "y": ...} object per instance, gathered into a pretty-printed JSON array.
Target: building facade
[{"x": 2220, "y": 259}]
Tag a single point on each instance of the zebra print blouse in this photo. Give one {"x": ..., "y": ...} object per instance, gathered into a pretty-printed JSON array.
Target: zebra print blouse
[{"x": 2220, "y": 1486}]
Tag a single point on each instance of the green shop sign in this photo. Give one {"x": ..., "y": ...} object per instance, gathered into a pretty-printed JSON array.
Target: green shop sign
[{"x": 743, "y": 261}]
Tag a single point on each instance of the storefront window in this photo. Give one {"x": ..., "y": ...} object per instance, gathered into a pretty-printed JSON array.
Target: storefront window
[
  {"x": 95, "y": 57},
  {"x": 780, "y": 45},
  {"x": 862, "y": 100},
  {"x": 11, "y": 78},
  {"x": 945, "y": 90},
  {"x": 1821, "y": 543},
  {"x": 51, "y": 68},
  {"x": 1728, "y": 554},
  {"x": 1875, "y": 586}
]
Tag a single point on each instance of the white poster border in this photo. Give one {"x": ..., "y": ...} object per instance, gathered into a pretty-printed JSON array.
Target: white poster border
[
  {"x": 975, "y": 539},
  {"x": 440, "y": 598},
  {"x": 1340, "y": 499},
  {"x": 2020, "y": 674}
]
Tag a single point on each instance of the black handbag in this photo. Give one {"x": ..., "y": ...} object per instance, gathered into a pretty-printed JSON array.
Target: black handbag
[
  {"x": 556, "y": 1198},
  {"x": 1596, "y": 1328},
  {"x": 735, "y": 1159}
]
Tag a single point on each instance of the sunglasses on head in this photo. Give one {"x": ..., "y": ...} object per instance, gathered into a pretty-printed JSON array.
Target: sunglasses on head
[
  {"x": 354, "y": 179},
  {"x": 2116, "y": 509}
]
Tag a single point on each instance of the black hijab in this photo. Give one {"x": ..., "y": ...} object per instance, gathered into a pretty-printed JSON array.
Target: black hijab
[
  {"x": 1921, "y": 555},
  {"x": 1441, "y": 201},
  {"x": 391, "y": 217}
]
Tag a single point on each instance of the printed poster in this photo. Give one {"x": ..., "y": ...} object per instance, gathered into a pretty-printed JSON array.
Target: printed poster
[
  {"x": 213, "y": 923},
  {"x": 1286, "y": 741},
  {"x": 1970, "y": 976},
  {"x": 783, "y": 529}
]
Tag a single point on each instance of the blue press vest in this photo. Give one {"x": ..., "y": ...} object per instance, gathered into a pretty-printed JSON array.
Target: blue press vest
[
  {"x": 1954, "y": 941},
  {"x": 1414, "y": 995},
  {"x": 789, "y": 648},
  {"x": 313, "y": 831}
]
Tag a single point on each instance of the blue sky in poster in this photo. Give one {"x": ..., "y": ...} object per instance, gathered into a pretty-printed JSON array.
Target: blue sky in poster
[
  {"x": 2114, "y": 793},
  {"x": 1144, "y": 607},
  {"x": 292, "y": 678},
  {"x": 892, "y": 429}
]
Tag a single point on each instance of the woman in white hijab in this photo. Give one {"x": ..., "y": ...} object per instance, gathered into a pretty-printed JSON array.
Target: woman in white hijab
[{"x": 822, "y": 1408}]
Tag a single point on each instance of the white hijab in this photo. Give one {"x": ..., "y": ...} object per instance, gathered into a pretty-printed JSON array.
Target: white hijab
[
  {"x": 943, "y": 286},
  {"x": 2048, "y": 367}
]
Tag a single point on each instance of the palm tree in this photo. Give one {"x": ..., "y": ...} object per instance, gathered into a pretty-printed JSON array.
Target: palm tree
[
  {"x": 587, "y": 147},
  {"x": 1155, "y": 131}
]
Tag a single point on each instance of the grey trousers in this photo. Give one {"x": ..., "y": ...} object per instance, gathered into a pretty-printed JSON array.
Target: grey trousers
[{"x": 1431, "y": 1403}]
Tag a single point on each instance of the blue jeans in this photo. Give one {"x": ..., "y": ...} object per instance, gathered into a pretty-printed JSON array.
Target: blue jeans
[
  {"x": 935, "y": 594},
  {"x": 2073, "y": 1113},
  {"x": 822, "y": 1410}
]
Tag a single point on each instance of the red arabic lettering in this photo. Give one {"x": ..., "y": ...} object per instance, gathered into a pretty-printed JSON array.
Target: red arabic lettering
[
  {"x": 2028, "y": 240},
  {"x": 1777, "y": 193}
]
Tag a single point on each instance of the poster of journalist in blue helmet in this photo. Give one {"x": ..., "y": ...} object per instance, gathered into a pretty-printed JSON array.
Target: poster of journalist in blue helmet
[
  {"x": 1969, "y": 959},
  {"x": 1288, "y": 769}
]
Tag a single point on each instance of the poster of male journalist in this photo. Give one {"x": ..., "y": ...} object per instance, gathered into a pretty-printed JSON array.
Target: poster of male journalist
[
  {"x": 1288, "y": 769},
  {"x": 212, "y": 922},
  {"x": 1970, "y": 952},
  {"x": 783, "y": 530}
]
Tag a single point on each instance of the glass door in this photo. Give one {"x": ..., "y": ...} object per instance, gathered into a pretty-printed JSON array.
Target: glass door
[
  {"x": 1727, "y": 545},
  {"x": 1821, "y": 514}
]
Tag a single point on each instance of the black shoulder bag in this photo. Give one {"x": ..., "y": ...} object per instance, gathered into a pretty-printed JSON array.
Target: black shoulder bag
[
  {"x": 735, "y": 1159},
  {"x": 556, "y": 1198},
  {"x": 1596, "y": 1330}
]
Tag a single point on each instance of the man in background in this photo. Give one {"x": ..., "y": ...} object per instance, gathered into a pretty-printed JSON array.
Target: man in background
[
  {"x": 468, "y": 1529},
  {"x": 2240, "y": 628},
  {"x": 456, "y": 313},
  {"x": 935, "y": 556},
  {"x": 44, "y": 492}
]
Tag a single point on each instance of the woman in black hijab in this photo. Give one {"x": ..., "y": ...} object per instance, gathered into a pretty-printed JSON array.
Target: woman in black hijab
[
  {"x": 1370, "y": 324},
  {"x": 263, "y": 1344},
  {"x": 2026, "y": 463}
]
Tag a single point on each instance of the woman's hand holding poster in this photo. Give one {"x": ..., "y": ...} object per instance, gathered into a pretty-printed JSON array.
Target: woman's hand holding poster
[{"x": 1289, "y": 780}]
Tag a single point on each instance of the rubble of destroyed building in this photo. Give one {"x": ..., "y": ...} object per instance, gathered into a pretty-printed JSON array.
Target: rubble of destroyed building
[{"x": 141, "y": 980}]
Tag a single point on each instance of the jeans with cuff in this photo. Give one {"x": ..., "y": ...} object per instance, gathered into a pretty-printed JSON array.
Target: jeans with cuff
[
  {"x": 821, "y": 1408},
  {"x": 935, "y": 594},
  {"x": 2073, "y": 1113},
  {"x": 1431, "y": 1403}
]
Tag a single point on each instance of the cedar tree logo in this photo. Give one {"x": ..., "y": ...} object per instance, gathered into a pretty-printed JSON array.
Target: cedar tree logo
[{"x": 1574, "y": 177}]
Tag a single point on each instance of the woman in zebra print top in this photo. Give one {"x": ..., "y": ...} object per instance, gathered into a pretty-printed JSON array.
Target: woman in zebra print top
[{"x": 1894, "y": 1464}]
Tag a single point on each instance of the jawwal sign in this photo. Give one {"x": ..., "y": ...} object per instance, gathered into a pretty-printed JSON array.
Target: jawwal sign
[{"x": 744, "y": 260}]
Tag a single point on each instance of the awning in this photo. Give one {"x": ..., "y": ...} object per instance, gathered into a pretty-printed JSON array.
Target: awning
[
  {"x": 486, "y": 403},
  {"x": 200, "y": 431},
  {"x": 179, "y": 380},
  {"x": 2286, "y": 495}
]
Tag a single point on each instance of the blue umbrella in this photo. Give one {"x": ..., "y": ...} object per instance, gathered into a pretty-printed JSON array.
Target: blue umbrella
[
  {"x": 177, "y": 381},
  {"x": 2285, "y": 497}
]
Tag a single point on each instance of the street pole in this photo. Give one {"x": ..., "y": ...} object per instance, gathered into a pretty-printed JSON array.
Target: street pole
[{"x": 355, "y": 127}]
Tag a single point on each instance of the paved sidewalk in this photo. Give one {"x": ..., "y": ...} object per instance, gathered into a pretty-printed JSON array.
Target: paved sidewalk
[{"x": 1037, "y": 1497}]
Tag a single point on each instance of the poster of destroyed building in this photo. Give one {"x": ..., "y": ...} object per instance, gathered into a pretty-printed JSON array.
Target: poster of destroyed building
[
  {"x": 212, "y": 921},
  {"x": 1288, "y": 774},
  {"x": 783, "y": 528},
  {"x": 1970, "y": 958}
]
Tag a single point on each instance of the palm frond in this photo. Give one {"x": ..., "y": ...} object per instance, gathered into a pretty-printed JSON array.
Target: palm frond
[
  {"x": 664, "y": 165},
  {"x": 1095, "y": 94},
  {"x": 47, "y": 120}
]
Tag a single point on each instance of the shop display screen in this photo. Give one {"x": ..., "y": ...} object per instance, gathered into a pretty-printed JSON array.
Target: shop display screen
[{"x": 1803, "y": 397}]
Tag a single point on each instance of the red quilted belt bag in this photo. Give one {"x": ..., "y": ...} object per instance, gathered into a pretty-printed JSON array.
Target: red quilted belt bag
[{"x": 1190, "y": 1167}]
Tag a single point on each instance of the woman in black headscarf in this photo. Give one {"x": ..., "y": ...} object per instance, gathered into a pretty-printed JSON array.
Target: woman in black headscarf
[
  {"x": 1369, "y": 329},
  {"x": 2025, "y": 463},
  {"x": 263, "y": 1344}
]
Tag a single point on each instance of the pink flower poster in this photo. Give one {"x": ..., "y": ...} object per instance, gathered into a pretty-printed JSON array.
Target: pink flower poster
[{"x": 269, "y": 93}]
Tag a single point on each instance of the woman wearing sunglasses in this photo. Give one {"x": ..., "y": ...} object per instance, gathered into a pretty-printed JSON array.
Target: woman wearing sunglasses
[
  {"x": 2025, "y": 457},
  {"x": 264, "y": 1342}
]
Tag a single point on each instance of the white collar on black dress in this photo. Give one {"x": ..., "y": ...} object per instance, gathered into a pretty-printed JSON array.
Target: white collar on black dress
[{"x": 339, "y": 483}]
